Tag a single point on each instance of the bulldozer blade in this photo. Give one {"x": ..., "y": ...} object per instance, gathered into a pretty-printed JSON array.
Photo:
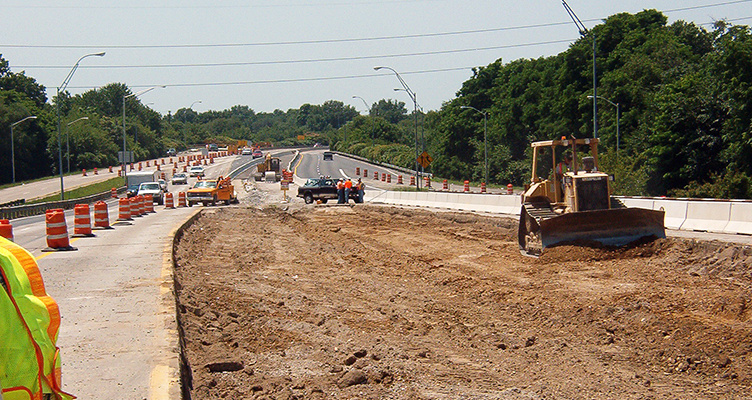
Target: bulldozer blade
[{"x": 615, "y": 227}]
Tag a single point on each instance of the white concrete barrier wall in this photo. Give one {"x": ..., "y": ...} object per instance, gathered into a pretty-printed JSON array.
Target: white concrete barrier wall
[
  {"x": 710, "y": 216},
  {"x": 740, "y": 219},
  {"x": 733, "y": 217}
]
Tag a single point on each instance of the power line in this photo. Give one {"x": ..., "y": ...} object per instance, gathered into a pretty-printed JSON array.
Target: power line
[
  {"x": 314, "y": 60},
  {"x": 344, "y": 40}
]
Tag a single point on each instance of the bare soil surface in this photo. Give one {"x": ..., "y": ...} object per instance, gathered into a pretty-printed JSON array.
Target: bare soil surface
[{"x": 365, "y": 302}]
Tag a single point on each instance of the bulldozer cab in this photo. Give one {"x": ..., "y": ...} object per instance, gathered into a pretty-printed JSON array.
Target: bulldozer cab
[{"x": 554, "y": 175}]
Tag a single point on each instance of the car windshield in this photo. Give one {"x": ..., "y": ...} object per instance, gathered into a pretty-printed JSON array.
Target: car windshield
[
  {"x": 205, "y": 184},
  {"x": 197, "y": 168},
  {"x": 149, "y": 186},
  {"x": 312, "y": 182},
  {"x": 178, "y": 176}
]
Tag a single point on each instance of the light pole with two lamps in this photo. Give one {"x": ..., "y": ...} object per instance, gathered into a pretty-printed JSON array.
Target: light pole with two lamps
[
  {"x": 485, "y": 140},
  {"x": 413, "y": 97},
  {"x": 12, "y": 145},
  {"x": 124, "y": 158},
  {"x": 67, "y": 143},
  {"x": 61, "y": 89}
]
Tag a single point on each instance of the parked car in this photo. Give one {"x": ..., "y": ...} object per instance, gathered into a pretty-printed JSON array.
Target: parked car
[
  {"x": 180, "y": 179},
  {"x": 154, "y": 189},
  {"x": 196, "y": 170}
]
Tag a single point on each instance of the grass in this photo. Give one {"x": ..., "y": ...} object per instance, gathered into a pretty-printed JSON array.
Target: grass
[{"x": 84, "y": 191}]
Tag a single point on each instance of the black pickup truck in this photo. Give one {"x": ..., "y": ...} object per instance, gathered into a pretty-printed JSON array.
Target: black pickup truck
[{"x": 323, "y": 189}]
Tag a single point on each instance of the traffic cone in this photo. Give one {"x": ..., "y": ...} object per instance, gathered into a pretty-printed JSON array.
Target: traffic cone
[{"x": 6, "y": 229}]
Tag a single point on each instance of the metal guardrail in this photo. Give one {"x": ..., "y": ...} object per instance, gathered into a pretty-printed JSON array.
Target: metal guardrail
[
  {"x": 28, "y": 210},
  {"x": 13, "y": 203}
]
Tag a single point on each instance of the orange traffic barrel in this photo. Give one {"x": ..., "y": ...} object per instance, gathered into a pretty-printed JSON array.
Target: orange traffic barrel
[
  {"x": 141, "y": 205},
  {"x": 147, "y": 164},
  {"x": 365, "y": 173},
  {"x": 158, "y": 167},
  {"x": 110, "y": 168},
  {"x": 84, "y": 172},
  {"x": 82, "y": 221},
  {"x": 113, "y": 193},
  {"x": 467, "y": 186},
  {"x": 399, "y": 179},
  {"x": 95, "y": 171},
  {"x": 181, "y": 199},
  {"x": 376, "y": 175},
  {"x": 6, "y": 229},
  {"x": 124, "y": 209},
  {"x": 169, "y": 202},
  {"x": 510, "y": 188},
  {"x": 483, "y": 187},
  {"x": 445, "y": 185},
  {"x": 412, "y": 181},
  {"x": 101, "y": 216},
  {"x": 135, "y": 207},
  {"x": 357, "y": 171},
  {"x": 57, "y": 231},
  {"x": 389, "y": 178},
  {"x": 428, "y": 182},
  {"x": 148, "y": 203},
  {"x": 383, "y": 177}
]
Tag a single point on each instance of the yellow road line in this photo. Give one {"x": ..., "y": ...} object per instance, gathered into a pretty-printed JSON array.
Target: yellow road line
[{"x": 43, "y": 255}]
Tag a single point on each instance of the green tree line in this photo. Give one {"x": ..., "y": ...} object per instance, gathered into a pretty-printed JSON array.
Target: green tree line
[{"x": 684, "y": 95}]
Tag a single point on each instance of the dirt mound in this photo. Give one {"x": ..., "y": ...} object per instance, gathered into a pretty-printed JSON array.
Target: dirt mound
[{"x": 379, "y": 302}]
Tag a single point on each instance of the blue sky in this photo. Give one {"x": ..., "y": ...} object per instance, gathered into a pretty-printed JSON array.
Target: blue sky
[{"x": 281, "y": 54}]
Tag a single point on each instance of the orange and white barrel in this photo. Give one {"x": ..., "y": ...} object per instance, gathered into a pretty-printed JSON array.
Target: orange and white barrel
[
  {"x": 57, "y": 230},
  {"x": 389, "y": 178},
  {"x": 357, "y": 171},
  {"x": 467, "y": 187},
  {"x": 113, "y": 193},
  {"x": 383, "y": 177},
  {"x": 169, "y": 202},
  {"x": 365, "y": 173},
  {"x": 445, "y": 185},
  {"x": 95, "y": 171},
  {"x": 141, "y": 205},
  {"x": 82, "y": 220},
  {"x": 6, "y": 229},
  {"x": 181, "y": 199},
  {"x": 399, "y": 179},
  {"x": 148, "y": 203},
  {"x": 124, "y": 209},
  {"x": 412, "y": 180},
  {"x": 376, "y": 175},
  {"x": 510, "y": 188},
  {"x": 483, "y": 187},
  {"x": 135, "y": 208},
  {"x": 83, "y": 173},
  {"x": 101, "y": 215},
  {"x": 427, "y": 181}
]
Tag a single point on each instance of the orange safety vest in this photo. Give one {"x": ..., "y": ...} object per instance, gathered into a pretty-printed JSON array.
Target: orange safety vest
[
  {"x": 348, "y": 184},
  {"x": 29, "y": 358}
]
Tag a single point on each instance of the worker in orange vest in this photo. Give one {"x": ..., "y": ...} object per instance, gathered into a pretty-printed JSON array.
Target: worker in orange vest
[
  {"x": 348, "y": 189},
  {"x": 340, "y": 192}
]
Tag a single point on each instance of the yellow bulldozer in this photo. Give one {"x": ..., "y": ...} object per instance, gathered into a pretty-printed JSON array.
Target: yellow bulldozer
[
  {"x": 269, "y": 170},
  {"x": 574, "y": 204}
]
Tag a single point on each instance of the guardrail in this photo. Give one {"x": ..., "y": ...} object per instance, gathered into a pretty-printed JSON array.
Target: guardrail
[
  {"x": 703, "y": 215},
  {"x": 13, "y": 203},
  {"x": 28, "y": 210}
]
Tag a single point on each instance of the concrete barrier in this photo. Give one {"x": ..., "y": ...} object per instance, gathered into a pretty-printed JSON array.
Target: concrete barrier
[
  {"x": 740, "y": 218},
  {"x": 676, "y": 212},
  {"x": 707, "y": 216}
]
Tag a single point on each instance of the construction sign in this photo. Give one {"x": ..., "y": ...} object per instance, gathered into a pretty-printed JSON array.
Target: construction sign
[{"x": 425, "y": 159}]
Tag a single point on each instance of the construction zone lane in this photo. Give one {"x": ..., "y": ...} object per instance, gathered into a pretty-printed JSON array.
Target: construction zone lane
[{"x": 378, "y": 302}]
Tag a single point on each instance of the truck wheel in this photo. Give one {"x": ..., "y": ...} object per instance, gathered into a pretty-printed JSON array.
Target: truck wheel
[
  {"x": 190, "y": 204},
  {"x": 214, "y": 201},
  {"x": 308, "y": 198}
]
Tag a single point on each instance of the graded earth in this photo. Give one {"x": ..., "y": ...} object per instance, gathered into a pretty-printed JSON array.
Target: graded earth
[{"x": 366, "y": 302}]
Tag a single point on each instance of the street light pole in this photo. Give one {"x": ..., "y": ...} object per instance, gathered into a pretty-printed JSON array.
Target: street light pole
[
  {"x": 413, "y": 97},
  {"x": 67, "y": 144},
  {"x": 618, "y": 115},
  {"x": 369, "y": 112},
  {"x": 583, "y": 32},
  {"x": 485, "y": 140},
  {"x": 125, "y": 173},
  {"x": 61, "y": 89},
  {"x": 12, "y": 145}
]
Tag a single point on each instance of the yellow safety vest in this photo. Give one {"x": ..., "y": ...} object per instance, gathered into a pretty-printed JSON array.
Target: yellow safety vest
[{"x": 29, "y": 357}]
